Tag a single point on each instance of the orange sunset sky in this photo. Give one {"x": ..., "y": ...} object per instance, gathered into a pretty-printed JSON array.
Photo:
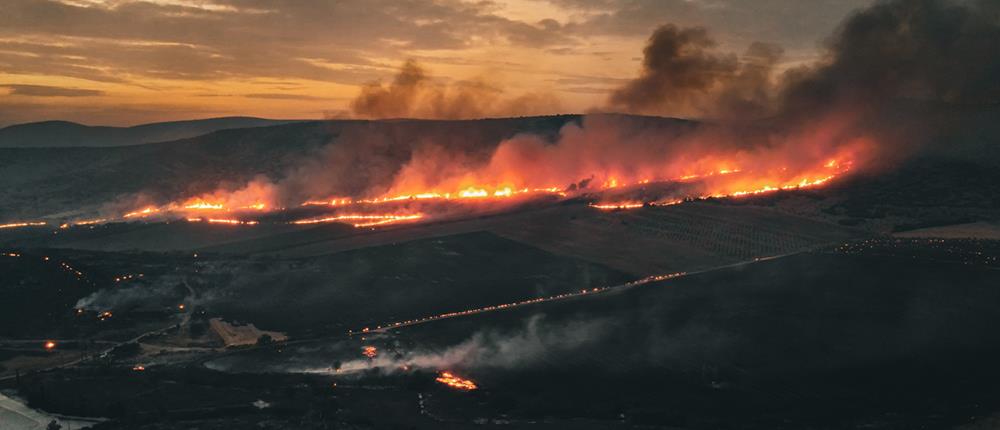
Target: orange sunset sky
[{"x": 123, "y": 62}]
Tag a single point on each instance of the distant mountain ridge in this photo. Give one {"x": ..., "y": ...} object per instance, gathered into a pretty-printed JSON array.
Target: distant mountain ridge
[{"x": 64, "y": 134}]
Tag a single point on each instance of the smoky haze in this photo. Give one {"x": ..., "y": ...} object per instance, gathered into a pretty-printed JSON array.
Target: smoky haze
[{"x": 413, "y": 94}]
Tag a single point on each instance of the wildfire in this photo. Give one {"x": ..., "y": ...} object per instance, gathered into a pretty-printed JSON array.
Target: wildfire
[
  {"x": 223, "y": 221},
  {"x": 632, "y": 205},
  {"x": 467, "y": 193},
  {"x": 342, "y": 201},
  {"x": 703, "y": 175},
  {"x": 456, "y": 382},
  {"x": 743, "y": 186},
  {"x": 362, "y": 220},
  {"x": 369, "y": 351},
  {"x": 23, "y": 224},
  {"x": 142, "y": 213},
  {"x": 617, "y": 206},
  {"x": 203, "y": 205},
  {"x": 104, "y": 315},
  {"x": 83, "y": 222},
  {"x": 49, "y": 345}
]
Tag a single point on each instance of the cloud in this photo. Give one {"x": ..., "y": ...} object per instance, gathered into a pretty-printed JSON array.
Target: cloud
[
  {"x": 235, "y": 38},
  {"x": 283, "y": 96},
  {"x": 47, "y": 91}
]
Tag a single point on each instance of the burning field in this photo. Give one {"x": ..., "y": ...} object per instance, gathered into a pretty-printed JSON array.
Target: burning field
[{"x": 434, "y": 184}]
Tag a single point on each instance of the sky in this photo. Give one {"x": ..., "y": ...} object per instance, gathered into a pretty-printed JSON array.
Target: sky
[{"x": 124, "y": 62}]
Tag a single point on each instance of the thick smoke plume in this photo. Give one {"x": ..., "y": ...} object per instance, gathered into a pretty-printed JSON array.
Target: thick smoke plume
[
  {"x": 916, "y": 50},
  {"x": 681, "y": 76},
  {"x": 413, "y": 94},
  {"x": 926, "y": 50}
]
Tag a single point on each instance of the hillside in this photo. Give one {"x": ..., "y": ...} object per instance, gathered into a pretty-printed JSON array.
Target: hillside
[{"x": 63, "y": 134}]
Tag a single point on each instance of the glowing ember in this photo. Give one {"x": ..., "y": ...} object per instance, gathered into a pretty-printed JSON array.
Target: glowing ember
[
  {"x": 369, "y": 351},
  {"x": 139, "y": 368},
  {"x": 104, "y": 315},
  {"x": 632, "y": 205},
  {"x": 23, "y": 224},
  {"x": 456, "y": 382},
  {"x": 180, "y": 307},
  {"x": 50, "y": 345},
  {"x": 617, "y": 206},
  {"x": 123, "y": 278}
]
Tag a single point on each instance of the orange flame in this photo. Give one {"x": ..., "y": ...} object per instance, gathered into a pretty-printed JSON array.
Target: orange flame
[
  {"x": 23, "y": 224},
  {"x": 223, "y": 221},
  {"x": 369, "y": 351},
  {"x": 142, "y": 212},
  {"x": 456, "y": 382},
  {"x": 364, "y": 220}
]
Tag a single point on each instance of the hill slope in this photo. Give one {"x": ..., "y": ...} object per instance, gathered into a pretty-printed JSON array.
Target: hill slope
[{"x": 62, "y": 134}]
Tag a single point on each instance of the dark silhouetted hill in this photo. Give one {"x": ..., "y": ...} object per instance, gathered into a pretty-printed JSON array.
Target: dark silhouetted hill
[{"x": 61, "y": 134}]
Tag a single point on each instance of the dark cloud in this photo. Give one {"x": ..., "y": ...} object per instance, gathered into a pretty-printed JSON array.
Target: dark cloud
[
  {"x": 792, "y": 23},
  {"x": 47, "y": 91},
  {"x": 917, "y": 50},
  {"x": 683, "y": 76},
  {"x": 926, "y": 50}
]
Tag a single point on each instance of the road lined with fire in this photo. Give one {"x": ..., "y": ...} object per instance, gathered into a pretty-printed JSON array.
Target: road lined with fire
[{"x": 383, "y": 328}]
